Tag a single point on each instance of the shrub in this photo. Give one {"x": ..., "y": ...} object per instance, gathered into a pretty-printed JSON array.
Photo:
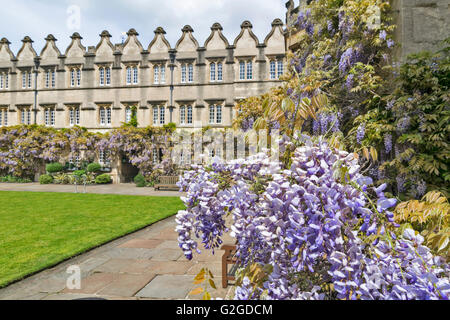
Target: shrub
[
  {"x": 13, "y": 179},
  {"x": 62, "y": 178},
  {"x": 79, "y": 173},
  {"x": 54, "y": 167},
  {"x": 94, "y": 167},
  {"x": 103, "y": 179},
  {"x": 45, "y": 179},
  {"x": 140, "y": 181}
]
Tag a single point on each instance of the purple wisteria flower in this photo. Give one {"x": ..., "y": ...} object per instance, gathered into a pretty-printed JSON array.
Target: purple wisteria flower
[
  {"x": 360, "y": 132},
  {"x": 388, "y": 142}
]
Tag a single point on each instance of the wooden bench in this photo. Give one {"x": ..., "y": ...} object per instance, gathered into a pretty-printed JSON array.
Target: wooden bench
[
  {"x": 229, "y": 257},
  {"x": 168, "y": 182}
]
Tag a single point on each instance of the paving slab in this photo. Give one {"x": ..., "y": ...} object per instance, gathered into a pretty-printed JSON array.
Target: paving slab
[
  {"x": 126, "y": 285},
  {"x": 93, "y": 283},
  {"x": 163, "y": 286},
  {"x": 129, "y": 253},
  {"x": 142, "y": 243},
  {"x": 166, "y": 254},
  {"x": 169, "y": 267}
]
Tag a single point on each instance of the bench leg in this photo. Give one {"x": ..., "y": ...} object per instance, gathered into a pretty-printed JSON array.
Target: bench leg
[{"x": 224, "y": 272}]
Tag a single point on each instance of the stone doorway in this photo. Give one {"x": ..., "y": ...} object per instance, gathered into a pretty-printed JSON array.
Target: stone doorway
[{"x": 127, "y": 171}]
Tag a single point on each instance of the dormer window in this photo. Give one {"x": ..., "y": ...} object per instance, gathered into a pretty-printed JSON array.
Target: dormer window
[
  {"x": 159, "y": 74},
  {"x": 105, "y": 76},
  {"x": 75, "y": 77},
  {"x": 187, "y": 73},
  {"x": 50, "y": 78},
  {"x": 216, "y": 71},
  {"x": 26, "y": 79},
  {"x": 132, "y": 75}
]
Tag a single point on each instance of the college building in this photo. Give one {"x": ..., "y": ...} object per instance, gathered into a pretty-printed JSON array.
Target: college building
[{"x": 99, "y": 87}]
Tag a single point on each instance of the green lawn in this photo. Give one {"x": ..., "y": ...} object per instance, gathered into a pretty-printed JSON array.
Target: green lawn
[{"x": 39, "y": 229}]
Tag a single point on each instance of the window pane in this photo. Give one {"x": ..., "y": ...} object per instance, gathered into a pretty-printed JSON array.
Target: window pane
[
  {"x": 280, "y": 68},
  {"x": 219, "y": 114},
  {"x": 213, "y": 72},
  {"x": 189, "y": 115},
  {"x": 53, "y": 78},
  {"x": 102, "y": 76},
  {"x": 156, "y": 75},
  {"x": 108, "y": 115},
  {"x": 162, "y": 115},
  {"x": 155, "y": 115},
  {"x": 78, "y": 77},
  {"x": 219, "y": 72},
  {"x": 128, "y": 75},
  {"x": 272, "y": 70},
  {"x": 108, "y": 76},
  {"x": 211, "y": 114},
  {"x": 182, "y": 115},
  {"x": 135, "y": 75},
  {"x": 242, "y": 70},
  {"x": 191, "y": 73},
  {"x": 47, "y": 78},
  {"x": 163, "y": 74},
  {"x": 249, "y": 70},
  {"x": 183, "y": 73}
]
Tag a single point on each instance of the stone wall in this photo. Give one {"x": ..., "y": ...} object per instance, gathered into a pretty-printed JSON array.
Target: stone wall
[{"x": 421, "y": 24}]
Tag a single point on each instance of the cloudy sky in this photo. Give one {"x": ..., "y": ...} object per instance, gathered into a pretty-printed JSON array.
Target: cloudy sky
[{"x": 38, "y": 18}]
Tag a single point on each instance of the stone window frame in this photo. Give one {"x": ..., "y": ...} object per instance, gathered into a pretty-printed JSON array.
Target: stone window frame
[
  {"x": 49, "y": 112},
  {"x": 159, "y": 72},
  {"x": 131, "y": 73},
  {"x": 24, "y": 114},
  {"x": 104, "y": 159},
  {"x": 186, "y": 114},
  {"x": 4, "y": 79},
  {"x": 246, "y": 68},
  {"x": 75, "y": 76},
  {"x": 27, "y": 78},
  {"x": 218, "y": 69},
  {"x": 104, "y": 74},
  {"x": 49, "y": 76},
  {"x": 105, "y": 114},
  {"x": 73, "y": 112}
]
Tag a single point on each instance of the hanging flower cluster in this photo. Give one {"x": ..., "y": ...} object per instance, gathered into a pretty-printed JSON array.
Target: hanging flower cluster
[{"x": 326, "y": 233}]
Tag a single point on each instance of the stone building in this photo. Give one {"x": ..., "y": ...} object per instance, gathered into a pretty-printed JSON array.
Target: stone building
[{"x": 98, "y": 86}]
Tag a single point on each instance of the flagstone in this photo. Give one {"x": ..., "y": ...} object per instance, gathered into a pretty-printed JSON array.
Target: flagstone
[
  {"x": 142, "y": 243},
  {"x": 126, "y": 285},
  {"x": 163, "y": 286},
  {"x": 93, "y": 283}
]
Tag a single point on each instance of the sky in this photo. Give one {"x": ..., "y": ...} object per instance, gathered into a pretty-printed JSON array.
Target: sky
[{"x": 38, "y": 18}]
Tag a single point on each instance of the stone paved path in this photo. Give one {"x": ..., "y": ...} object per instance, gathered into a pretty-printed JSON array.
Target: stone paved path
[
  {"x": 147, "y": 264},
  {"x": 123, "y": 188}
]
